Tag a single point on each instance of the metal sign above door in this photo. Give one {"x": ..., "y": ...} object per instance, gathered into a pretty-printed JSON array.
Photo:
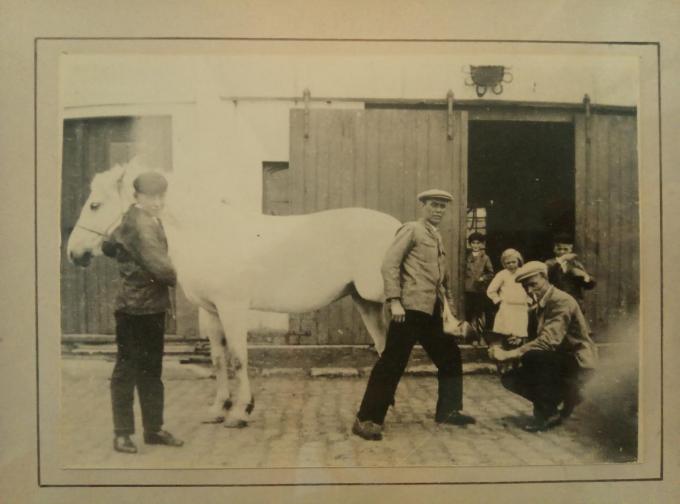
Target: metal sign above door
[{"x": 485, "y": 77}]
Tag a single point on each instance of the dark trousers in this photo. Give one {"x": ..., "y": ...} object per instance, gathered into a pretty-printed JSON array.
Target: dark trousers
[
  {"x": 479, "y": 311},
  {"x": 385, "y": 376},
  {"x": 546, "y": 378},
  {"x": 139, "y": 364}
]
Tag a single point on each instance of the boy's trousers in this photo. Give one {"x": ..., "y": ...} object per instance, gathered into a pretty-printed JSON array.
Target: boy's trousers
[{"x": 139, "y": 364}]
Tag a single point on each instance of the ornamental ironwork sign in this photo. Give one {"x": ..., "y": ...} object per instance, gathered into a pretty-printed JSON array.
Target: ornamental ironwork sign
[{"x": 485, "y": 77}]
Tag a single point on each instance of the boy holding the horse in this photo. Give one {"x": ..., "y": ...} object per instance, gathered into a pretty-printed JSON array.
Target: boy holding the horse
[
  {"x": 416, "y": 288},
  {"x": 140, "y": 247}
]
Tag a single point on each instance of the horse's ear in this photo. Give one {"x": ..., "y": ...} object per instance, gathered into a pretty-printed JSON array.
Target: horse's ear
[
  {"x": 117, "y": 172},
  {"x": 121, "y": 175}
]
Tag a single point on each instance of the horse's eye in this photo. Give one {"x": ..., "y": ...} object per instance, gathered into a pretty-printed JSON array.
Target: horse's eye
[{"x": 94, "y": 206}]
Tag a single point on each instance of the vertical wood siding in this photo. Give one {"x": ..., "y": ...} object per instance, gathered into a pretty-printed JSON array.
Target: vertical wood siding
[
  {"x": 607, "y": 215},
  {"x": 377, "y": 159}
]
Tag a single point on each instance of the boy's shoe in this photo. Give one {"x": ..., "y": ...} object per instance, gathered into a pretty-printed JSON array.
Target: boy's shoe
[
  {"x": 455, "y": 418},
  {"x": 124, "y": 444},
  {"x": 162, "y": 438},
  {"x": 367, "y": 430}
]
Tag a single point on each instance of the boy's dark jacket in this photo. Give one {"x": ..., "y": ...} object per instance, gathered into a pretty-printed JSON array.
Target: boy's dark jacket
[
  {"x": 566, "y": 280},
  {"x": 141, "y": 249},
  {"x": 478, "y": 272}
]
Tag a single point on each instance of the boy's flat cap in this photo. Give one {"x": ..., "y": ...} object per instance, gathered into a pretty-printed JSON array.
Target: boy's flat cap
[{"x": 150, "y": 183}]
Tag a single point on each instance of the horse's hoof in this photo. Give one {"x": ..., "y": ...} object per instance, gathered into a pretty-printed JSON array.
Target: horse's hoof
[
  {"x": 235, "y": 424},
  {"x": 251, "y": 406}
]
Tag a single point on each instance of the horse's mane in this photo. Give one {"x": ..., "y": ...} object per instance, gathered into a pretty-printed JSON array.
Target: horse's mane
[
  {"x": 193, "y": 197},
  {"x": 106, "y": 179}
]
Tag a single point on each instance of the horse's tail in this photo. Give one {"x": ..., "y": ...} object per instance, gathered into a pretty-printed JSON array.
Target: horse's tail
[{"x": 375, "y": 319}]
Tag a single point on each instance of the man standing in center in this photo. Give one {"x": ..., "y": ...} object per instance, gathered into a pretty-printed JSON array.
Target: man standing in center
[{"x": 416, "y": 288}]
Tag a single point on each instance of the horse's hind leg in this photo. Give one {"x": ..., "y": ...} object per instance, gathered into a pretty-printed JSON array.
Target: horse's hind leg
[
  {"x": 372, "y": 314},
  {"x": 234, "y": 322},
  {"x": 210, "y": 326}
]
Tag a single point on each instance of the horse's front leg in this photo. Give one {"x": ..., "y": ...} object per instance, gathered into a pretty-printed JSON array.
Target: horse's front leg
[
  {"x": 210, "y": 326},
  {"x": 234, "y": 322}
]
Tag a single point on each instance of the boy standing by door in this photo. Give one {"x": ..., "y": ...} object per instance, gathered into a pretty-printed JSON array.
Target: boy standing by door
[{"x": 478, "y": 274}]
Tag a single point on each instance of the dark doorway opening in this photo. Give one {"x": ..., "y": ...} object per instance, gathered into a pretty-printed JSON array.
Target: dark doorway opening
[{"x": 521, "y": 185}]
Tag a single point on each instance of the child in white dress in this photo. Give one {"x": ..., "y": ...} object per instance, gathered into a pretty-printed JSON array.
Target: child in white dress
[{"x": 512, "y": 318}]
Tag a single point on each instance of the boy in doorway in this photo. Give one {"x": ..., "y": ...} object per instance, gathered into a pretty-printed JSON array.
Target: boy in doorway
[
  {"x": 565, "y": 271},
  {"x": 478, "y": 274}
]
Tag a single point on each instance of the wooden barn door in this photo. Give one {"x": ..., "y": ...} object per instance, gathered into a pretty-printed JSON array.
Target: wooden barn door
[
  {"x": 92, "y": 146},
  {"x": 607, "y": 214},
  {"x": 378, "y": 159}
]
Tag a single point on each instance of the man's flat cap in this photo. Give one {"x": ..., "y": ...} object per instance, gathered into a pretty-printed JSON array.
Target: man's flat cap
[
  {"x": 150, "y": 183},
  {"x": 530, "y": 269},
  {"x": 435, "y": 194}
]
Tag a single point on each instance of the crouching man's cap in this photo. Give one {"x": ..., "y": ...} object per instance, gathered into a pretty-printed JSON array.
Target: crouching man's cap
[
  {"x": 435, "y": 194},
  {"x": 150, "y": 183},
  {"x": 530, "y": 269}
]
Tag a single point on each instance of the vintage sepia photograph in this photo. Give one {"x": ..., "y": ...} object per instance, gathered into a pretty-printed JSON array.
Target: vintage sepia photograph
[{"x": 333, "y": 255}]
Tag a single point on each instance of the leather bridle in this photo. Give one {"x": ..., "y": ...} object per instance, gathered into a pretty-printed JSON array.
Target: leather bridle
[{"x": 116, "y": 223}]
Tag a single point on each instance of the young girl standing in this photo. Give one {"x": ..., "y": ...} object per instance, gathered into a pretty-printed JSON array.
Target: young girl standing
[{"x": 512, "y": 317}]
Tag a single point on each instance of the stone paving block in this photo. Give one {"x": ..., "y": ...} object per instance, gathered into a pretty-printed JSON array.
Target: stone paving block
[
  {"x": 329, "y": 372},
  {"x": 282, "y": 372},
  {"x": 421, "y": 370}
]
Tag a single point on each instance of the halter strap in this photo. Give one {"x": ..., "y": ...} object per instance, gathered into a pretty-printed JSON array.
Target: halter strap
[
  {"x": 107, "y": 232},
  {"x": 92, "y": 231}
]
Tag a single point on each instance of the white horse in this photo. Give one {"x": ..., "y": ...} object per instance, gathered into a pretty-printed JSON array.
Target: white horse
[{"x": 229, "y": 262}]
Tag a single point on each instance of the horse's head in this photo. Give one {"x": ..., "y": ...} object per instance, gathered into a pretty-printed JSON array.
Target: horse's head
[{"x": 102, "y": 213}]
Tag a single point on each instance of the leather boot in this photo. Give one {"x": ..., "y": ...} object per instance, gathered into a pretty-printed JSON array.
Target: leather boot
[
  {"x": 448, "y": 405},
  {"x": 123, "y": 444}
]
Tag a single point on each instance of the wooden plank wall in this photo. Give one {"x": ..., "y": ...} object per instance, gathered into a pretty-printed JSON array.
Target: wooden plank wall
[
  {"x": 377, "y": 159},
  {"x": 607, "y": 216},
  {"x": 91, "y": 146}
]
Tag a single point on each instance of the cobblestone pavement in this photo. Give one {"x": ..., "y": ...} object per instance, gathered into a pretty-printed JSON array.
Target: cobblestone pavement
[{"x": 301, "y": 421}]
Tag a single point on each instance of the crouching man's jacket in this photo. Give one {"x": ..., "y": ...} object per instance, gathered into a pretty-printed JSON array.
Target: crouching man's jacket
[{"x": 561, "y": 327}]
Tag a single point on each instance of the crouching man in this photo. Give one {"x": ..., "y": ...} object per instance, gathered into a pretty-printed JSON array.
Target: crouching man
[{"x": 556, "y": 361}]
